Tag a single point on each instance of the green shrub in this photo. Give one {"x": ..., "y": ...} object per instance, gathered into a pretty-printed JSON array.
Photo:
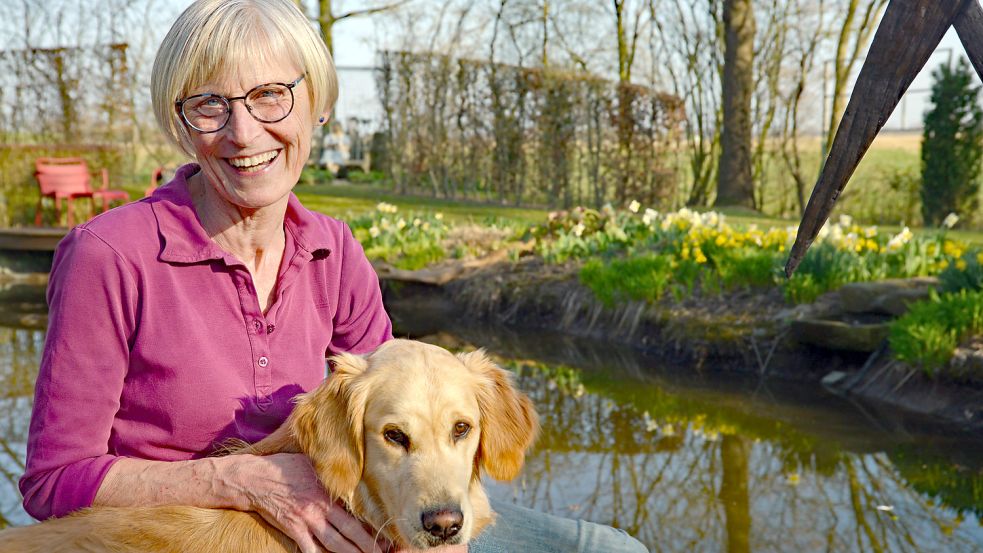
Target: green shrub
[
  {"x": 952, "y": 147},
  {"x": 755, "y": 268},
  {"x": 965, "y": 274},
  {"x": 905, "y": 183},
  {"x": 642, "y": 278},
  {"x": 358, "y": 177},
  {"x": 928, "y": 334},
  {"x": 826, "y": 267}
]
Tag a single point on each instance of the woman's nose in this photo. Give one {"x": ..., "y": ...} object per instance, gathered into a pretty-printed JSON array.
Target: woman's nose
[{"x": 242, "y": 126}]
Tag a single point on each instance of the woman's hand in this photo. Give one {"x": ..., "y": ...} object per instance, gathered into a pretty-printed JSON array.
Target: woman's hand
[{"x": 284, "y": 490}]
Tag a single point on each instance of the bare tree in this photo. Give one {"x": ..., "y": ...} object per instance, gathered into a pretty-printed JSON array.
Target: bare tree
[
  {"x": 627, "y": 43},
  {"x": 854, "y": 31},
  {"x": 326, "y": 17},
  {"x": 807, "y": 32},
  {"x": 684, "y": 36}
]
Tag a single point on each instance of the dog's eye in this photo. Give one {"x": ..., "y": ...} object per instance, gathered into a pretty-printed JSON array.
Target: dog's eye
[
  {"x": 461, "y": 430},
  {"x": 397, "y": 437}
]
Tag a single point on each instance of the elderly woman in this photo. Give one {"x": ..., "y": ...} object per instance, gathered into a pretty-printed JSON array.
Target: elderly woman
[{"x": 194, "y": 316}]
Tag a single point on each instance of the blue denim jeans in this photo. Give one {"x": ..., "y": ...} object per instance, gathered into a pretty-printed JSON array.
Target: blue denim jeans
[{"x": 519, "y": 529}]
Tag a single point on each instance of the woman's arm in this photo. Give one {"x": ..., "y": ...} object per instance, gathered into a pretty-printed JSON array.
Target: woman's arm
[
  {"x": 91, "y": 298},
  {"x": 282, "y": 488}
]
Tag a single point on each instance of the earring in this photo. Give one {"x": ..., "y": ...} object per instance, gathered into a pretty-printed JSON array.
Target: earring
[{"x": 321, "y": 120}]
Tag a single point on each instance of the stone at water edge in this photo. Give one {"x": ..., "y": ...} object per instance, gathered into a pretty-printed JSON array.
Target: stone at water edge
[{"x": 838, "y": 335}]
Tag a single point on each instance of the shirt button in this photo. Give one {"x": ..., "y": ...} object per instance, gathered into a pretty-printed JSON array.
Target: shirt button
[
  {"x": 258, "y": 326},
  {"x": 263, "y": 361}
]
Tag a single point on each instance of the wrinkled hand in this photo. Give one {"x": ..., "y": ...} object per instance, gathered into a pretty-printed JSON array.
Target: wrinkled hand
[{"x": 284, "y": 490}]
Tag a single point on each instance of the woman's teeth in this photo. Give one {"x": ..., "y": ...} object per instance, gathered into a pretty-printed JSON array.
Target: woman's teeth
[{"x": 252, "y": 163}]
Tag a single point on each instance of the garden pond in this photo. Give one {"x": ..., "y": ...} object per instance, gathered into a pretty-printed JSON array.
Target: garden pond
[{"x": 685, "y": 460}]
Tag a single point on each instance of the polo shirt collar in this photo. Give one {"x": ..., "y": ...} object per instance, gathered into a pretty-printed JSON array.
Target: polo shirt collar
[{"x": 184, "y": 240}]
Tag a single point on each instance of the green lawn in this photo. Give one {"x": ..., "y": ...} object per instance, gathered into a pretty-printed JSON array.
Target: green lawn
[
  {"x": 345, "y": 200},
  {"x": 342, "y": 199}
]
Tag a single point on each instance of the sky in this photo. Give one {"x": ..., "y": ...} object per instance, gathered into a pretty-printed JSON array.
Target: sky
[{"x": 356, "y": 40}]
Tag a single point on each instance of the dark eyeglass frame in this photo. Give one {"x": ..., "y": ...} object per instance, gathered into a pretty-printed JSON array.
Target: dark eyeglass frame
[{"x": 179, "y": 105}]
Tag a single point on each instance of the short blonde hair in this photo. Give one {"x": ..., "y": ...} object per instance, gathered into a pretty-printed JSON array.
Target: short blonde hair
[{"x": 212, "y": 37}]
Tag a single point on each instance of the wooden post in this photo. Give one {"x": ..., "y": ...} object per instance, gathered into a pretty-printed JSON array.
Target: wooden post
[
  {"x": 908, "y": 34},
  {"x": 969, "y": 26}
]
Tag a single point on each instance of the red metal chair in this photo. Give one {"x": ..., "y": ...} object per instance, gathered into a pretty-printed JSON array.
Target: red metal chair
[
  {"x": 68, "y": 179},
  {"x": 156, "y": 178}
]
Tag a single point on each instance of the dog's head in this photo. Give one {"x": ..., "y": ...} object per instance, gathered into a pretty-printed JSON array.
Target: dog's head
[{"x": 401, "y": 435}]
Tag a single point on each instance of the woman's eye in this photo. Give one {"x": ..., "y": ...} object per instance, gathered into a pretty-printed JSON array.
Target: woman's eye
[
  {"x": 461, "y": 430},
  {"x": 397, "y": 437}
]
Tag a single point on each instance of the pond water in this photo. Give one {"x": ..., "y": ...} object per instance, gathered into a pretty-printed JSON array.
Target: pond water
[{"x": 685, "y": 460}]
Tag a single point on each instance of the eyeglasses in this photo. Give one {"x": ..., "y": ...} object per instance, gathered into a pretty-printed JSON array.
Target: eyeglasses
[{"x": 267, "y": 103}]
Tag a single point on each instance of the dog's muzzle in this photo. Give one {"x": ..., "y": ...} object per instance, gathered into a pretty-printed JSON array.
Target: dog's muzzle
[{"x": 443, "y": 523}]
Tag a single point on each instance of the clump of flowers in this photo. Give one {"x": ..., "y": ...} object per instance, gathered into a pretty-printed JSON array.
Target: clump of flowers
[
  {"x": 725, "y": 256},
  {"x": 410, "y": 241}
]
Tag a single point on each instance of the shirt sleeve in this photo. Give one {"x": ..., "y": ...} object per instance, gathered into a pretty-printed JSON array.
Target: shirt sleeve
[
  {"x": 361, "y": 323},
  {"x": 91, "y": 316}
]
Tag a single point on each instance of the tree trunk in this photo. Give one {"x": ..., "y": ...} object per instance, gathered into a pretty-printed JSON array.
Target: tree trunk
[
  {"x": 326, "y": 22},
  {"x": 734, "y": 454},
  {"x": 734, "y": 184}
]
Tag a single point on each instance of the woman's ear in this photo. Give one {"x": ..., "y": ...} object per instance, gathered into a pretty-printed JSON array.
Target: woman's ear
[
  {"x": 327, "y": 424},
  {"x": 509, "y": 423}
]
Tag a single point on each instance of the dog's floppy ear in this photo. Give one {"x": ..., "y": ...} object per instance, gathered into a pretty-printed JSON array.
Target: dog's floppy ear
[
  {"x": 327, "y": 424},
  {"x": 509, "y": 422}
]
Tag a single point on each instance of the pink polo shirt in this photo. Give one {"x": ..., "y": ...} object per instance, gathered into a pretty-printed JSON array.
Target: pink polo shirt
[{"x": 157, "y": 347}]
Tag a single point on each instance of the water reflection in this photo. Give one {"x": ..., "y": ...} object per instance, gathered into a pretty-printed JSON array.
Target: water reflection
[
  {"x": 683, "y": 460},
  {"x": 683, "y": 483},
  {"x": 20, "y": 353}
]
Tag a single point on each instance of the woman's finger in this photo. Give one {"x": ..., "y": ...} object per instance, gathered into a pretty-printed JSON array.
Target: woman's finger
[
  {"x": 333, "y": 540},
  {"x": 306, "y": 544},
  {"x": 352, "y": 529}
]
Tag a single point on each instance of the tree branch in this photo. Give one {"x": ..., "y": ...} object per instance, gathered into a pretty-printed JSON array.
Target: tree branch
[{"x": 370, "y": 11}]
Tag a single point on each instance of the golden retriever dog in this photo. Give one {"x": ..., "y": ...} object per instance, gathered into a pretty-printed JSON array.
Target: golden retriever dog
[{"x": 399, "y": 435}]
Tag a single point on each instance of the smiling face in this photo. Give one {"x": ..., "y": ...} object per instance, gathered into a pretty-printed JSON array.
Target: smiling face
[
  {"x": 422, "y": 431},
  {"x": 250, "y": 164}
]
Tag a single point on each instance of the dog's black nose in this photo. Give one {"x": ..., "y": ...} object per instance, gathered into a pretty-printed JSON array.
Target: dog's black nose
[{"x": 443, "y": 523}]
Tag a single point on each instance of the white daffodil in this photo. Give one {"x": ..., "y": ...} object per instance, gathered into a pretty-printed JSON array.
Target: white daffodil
[
  {"x": 374, "y": 231},
  {"x": 899, "y": 239},
  {"x": 649, "y": 216},
  {"x": 650, "y": 424},
  {"x": 634, "y": 206},
  {"x": 950, "y": 220},
  {"x": 578, "y": 229},
  {"x": 384, "y": 207},
  {"x": 712, "y": 219}
]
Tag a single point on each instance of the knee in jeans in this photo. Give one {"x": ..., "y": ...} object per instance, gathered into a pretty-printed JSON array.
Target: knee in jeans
[
  {"x": 623, "y": 542},
  {"x": 634, "y": 546}
]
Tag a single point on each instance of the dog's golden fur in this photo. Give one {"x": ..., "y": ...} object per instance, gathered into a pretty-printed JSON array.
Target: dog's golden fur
[{"x": 420, "y": 390}]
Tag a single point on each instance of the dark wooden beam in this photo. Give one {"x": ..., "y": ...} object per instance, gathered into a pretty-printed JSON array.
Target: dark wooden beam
[
  {"x": 969, "y": 26},
  {"x": 908, "y": 34}
]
